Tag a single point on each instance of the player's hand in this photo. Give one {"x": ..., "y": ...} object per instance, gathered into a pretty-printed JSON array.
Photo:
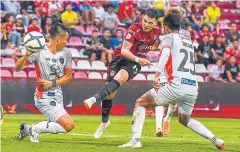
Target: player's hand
[
  {"x": 45, "y": 83},
  {"x": 156, "y": 82},
  {"x": 144, "y": 62}
]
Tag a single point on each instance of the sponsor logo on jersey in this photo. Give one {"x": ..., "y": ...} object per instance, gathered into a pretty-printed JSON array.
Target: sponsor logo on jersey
[
  {"x": 132, "y": 32},
  {"x": 188, "y": 82},
  {"x": 145, "y": 47},
  {"x": 142, "y": 40}
]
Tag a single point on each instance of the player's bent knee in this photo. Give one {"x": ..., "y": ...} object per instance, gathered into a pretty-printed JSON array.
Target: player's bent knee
[{"x": 69, "y": 125}]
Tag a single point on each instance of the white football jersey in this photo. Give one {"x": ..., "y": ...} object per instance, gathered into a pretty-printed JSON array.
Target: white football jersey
[
  {"x": 50, "y": 67},
  {"x": 180, "y": 67}
]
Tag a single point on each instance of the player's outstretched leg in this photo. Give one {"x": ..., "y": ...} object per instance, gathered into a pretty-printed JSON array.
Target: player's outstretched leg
[
  {"x": 63, "y": 124},
  {"x": 109, "y": 88},
  {"x": 106, "y": 108},
  {"x": 200, "y": 129},
  {"x": 122, "y": 77},
  {"x": 159, "y": 111},
  {"x": 171, "y": 109},
  {"x": 138, "y": 120}
]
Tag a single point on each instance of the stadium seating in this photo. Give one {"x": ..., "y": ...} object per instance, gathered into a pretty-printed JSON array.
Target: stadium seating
[
  {"x": 98, "y": 65},
  {"x": 90, "y": 30},
  {"x": 81, "y": 29},
  {"x": 8, "y": 62},
  {"x": 146, "y": 69},
  {"x": 75, "y": 53},
  {"x": 32, "y": 74},
  {"x": 200, "y": 68},
  {"x": 150, "y": 77},
  {"x": 83, "y": 64},
  {"x": 139, "y": 76},
  {"x": 5, "y": 74},
  {"x": 20, "y": 74},
  {"x": 200, "y": 78},
  {"x": 75, "y": 41},
  {"x": 94, "y": 75},
  {"x": 80, "y": 75},
  {"x": 105, "y": 76}
]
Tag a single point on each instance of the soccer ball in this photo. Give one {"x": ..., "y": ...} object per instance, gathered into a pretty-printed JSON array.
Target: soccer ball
[{"x": 34, "y": 42}]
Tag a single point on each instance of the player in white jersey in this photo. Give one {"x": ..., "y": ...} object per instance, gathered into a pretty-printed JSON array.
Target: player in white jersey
[
  {"x": 53, "y": 67},
  {"x": 177, "y": 58}
]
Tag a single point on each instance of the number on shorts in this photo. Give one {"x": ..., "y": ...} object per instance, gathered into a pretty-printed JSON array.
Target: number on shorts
[
  {"x": 184, "y": 61},
  {"x": 135, "y": 69}
]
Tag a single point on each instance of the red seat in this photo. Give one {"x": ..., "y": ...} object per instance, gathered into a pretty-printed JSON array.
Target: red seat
[
  {"x": 75, "y": 41},
  {"x": 81, "y": 29},
  {"x": 32, "y": 74},
  {"x": 20, "y": 74},
  {"x": 5, "y": 74},
  {"x": 80, "y": 75},
  {"x": 8, "y": 62},
  {"x": 90, "y": 30},
  {"x": 225, "y": 5}
]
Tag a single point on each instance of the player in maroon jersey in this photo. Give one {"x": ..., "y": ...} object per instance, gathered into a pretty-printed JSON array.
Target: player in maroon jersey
[{"x": 126, "y": 63}]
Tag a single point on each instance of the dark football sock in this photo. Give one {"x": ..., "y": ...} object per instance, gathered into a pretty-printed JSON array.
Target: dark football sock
[
  {"x": 108, "y": 89},
  {"x": 106, "y": 107}
]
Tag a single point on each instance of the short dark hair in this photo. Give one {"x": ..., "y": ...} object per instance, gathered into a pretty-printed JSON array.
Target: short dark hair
[
  {"x": 152, "y": 13},
  {"x": 34, "y": 19},
  {"x": 106, "y": 30},
  {"x": 58, "y": 29},
  {"x": 173, "y": 21},
  {"x": 95, "y": 31},
  {"x": 110, "y": 5}
]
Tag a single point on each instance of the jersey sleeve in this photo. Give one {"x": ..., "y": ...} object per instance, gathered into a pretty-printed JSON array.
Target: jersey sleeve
[
  {"x": 167, "y": 41},
  {"x": 68, "y": 59},
  {"x": 131, "y": 33},
  {"x": 33, "y": 58}
]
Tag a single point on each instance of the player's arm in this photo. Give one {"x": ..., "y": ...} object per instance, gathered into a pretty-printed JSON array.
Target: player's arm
[
  {"x": 22, "y": 62},
  {"x": 128, "y": 54},
  {"x": 62, "y": 81},
  {"x": 161, "y": 65}
]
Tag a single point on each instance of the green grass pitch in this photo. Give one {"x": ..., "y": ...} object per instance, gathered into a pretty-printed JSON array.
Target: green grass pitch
[{"x": 80, "y": 139}]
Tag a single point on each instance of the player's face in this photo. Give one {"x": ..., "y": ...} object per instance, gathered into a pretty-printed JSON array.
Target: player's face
[
  {"x": 148, "y": 23},
  {"x": 62, "y": 41}
]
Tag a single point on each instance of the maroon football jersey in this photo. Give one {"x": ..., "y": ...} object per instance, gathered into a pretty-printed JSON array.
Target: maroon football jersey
[{"x": 142, "y": 41}]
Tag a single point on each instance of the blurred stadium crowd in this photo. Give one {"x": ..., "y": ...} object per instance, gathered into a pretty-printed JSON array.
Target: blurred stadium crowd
[{"x": 97, "y": 27}]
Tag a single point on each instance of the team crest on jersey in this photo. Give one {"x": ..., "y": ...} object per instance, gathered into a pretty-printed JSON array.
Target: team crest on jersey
[
  {"x": 61, "y": 59},
  {"x": 128, "y": 36}
]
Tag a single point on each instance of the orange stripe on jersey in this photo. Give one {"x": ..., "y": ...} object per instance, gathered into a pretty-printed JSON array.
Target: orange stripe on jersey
[
  {"x": 169, "y": 69},
  {"x": 39, "y": 87}
]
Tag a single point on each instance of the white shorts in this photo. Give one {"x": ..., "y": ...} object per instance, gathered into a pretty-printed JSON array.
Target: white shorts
[
  {"x": 52, "y": 106},
  {"x": 169, "y": 95}
]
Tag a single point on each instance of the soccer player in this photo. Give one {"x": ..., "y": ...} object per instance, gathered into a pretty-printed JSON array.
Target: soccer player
[
  {"x": 126, "y": 63},
  {"x": 53, "y": 67},
  {"x": 177, "y": 58}
]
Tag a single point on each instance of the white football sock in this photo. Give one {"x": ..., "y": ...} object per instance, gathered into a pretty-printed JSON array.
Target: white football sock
[
  {"x": 170, "y": 112},
  {"x": 49, "y": 127},
  {"x": 159, "y": 111},
  {"x": 200, "y": 129},
  {"x": 138, "y": 121}
]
